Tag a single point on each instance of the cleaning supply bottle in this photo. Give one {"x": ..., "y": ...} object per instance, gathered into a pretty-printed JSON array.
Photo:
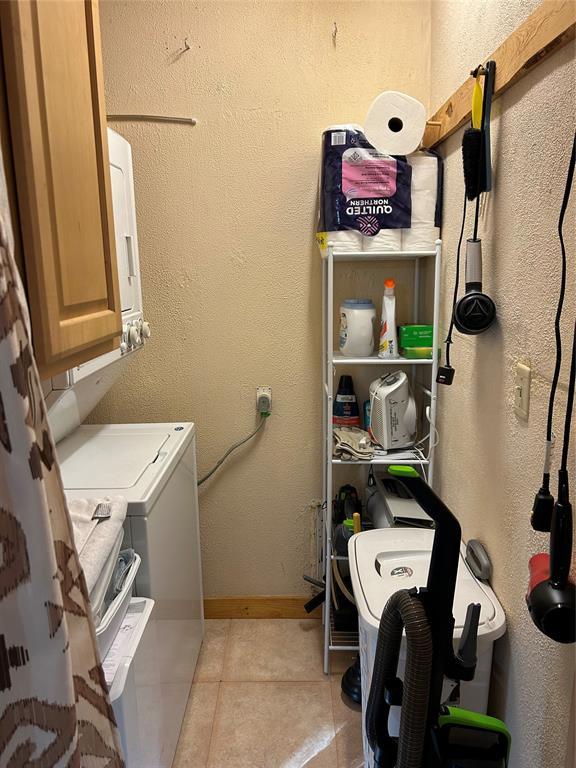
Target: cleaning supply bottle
[
  {"x": 388, "y": 347},
  {"x": 366, "y": 414},
  {"x": 357, "y": 327},
  {"x": 345, "y": 412}
]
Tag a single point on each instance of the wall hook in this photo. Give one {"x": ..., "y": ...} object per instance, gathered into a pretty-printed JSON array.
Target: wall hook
[
  {"x": 334, "y": 33},
  {"x": 186, "y": 45}
]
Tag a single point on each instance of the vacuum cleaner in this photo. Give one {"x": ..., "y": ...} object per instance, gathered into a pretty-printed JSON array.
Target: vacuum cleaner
[{"x": 431, "y": 735}]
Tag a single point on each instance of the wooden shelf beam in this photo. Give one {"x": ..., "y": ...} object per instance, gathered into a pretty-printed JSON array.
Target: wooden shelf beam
[{"x": 551, "y": 26}]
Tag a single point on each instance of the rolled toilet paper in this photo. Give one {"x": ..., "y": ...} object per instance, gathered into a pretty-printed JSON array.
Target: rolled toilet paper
[
  {"x": 395, "y": 123},
  {"x": 420, "y": 237},
  {"x": 350, "y": 239},
  {"x": 385, "y": 240},
  {"x": 424, "y": 187},
  {"x": 425, "y": 193}
]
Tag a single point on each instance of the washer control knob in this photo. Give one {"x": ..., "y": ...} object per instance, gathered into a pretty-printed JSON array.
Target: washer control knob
[
  {"x": 133, "y": 336},
  {"x": 145, "y": 330}
]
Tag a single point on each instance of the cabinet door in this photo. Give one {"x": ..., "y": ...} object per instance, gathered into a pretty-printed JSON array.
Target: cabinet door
[{"x": 54, "y": 81}]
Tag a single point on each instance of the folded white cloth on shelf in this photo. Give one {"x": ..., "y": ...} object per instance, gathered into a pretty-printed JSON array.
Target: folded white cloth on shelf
[
  {"x": 352, "y": 443},
  {"x": 95, "y": 539}
]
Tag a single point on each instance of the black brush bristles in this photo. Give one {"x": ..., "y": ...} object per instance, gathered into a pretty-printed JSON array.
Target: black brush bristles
[{"x": 472, "y": 161}]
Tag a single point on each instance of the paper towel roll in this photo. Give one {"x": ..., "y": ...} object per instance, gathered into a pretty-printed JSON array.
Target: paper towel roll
[
  {"x": 395, "y": 123},
  {"x": 350, "y": 239},
  {"x": 385, "y": 240}
]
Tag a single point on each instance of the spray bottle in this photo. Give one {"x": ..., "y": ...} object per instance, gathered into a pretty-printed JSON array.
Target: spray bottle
[{"x": 388, "y": 347}]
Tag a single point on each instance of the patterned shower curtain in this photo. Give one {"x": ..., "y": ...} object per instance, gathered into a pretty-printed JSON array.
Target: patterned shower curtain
[{"x": 54, "y": 704}]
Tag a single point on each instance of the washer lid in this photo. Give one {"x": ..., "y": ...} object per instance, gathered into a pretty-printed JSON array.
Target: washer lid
[
  {"x": 389, "y": 559},
  {"x": 108, "y": 460}
]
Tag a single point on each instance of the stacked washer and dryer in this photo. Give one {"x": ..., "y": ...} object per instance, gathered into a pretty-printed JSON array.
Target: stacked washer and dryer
[{"x": 150, "y": 633}]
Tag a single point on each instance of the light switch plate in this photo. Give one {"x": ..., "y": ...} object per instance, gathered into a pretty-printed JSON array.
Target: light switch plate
[{"x": 522, "y": 391}]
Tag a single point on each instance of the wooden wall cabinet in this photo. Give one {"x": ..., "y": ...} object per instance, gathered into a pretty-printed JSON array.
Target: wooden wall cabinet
[{"x": 57, "y": 118}]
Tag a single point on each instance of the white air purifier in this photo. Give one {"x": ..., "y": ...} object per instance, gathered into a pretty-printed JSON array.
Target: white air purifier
[{"x": 392, "y": 411}]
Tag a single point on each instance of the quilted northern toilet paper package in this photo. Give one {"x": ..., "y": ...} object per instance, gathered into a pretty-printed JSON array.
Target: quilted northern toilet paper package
[{"x": 362, "y": 191}]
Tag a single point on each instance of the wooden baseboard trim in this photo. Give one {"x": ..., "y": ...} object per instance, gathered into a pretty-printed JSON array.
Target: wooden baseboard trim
[{"x": 261, "y": 607}]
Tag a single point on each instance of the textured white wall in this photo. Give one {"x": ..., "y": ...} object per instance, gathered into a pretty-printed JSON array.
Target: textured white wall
[
  {"x": 226, "y": 217},
  {"x": 489, "y": 460}
]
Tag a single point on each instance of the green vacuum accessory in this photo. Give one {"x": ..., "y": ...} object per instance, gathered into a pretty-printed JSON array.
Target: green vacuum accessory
[{"x": 469, "y": 740}]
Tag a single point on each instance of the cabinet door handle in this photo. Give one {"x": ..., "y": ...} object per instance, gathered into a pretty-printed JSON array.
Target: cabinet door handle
[{"x": 130, "y": 254}]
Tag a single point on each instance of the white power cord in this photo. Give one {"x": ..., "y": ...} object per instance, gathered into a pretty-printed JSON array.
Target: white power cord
[
  {"x": 427, "y": 437},
  {"x": 338, "y": 577}
]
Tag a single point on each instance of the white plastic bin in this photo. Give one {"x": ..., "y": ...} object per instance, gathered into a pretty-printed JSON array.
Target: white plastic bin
[
  {"x": 385, "y": 560},
  {"x": 119, "y": 672},
  {"x": 112, "y": 619}
]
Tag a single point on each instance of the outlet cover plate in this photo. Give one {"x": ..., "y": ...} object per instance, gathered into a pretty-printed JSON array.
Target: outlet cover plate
[
  {"x": 266, "y": 392},
  {"x": 522, "y": 391}
]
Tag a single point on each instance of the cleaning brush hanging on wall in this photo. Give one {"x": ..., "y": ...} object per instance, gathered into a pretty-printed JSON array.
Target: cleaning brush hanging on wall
[{"x": 475, "y": 312}]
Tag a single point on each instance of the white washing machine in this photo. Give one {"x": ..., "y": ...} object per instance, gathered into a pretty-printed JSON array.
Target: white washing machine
[
  {"x": 154, "y": 467},
  {"x": 385, "y": 560}
]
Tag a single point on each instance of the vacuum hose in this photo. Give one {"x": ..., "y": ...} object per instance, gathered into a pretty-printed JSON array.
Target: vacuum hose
[{"x": 403, "y": 610}]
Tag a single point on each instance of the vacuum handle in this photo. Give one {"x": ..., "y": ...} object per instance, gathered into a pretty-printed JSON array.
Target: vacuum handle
[
  {"x": 467, "y": 651},
  {"x": 445, "y": 555}
]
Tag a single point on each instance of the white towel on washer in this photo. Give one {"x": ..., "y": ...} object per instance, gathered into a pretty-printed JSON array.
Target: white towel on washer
[{"x": 94, "y": 539}]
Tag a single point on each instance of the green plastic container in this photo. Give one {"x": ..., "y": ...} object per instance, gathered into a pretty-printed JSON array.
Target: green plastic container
[
  {"x": 416, "y": 353},
  {"x": 415, "y": 336}
]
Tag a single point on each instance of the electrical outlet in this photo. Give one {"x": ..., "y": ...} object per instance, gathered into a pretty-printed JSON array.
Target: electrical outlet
[
  {"x": 522, "y": 391},
  {"x": 264, "y": 399}
]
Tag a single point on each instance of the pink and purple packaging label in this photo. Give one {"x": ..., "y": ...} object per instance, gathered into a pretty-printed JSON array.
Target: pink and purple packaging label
[{"x": 361, "y": 188}]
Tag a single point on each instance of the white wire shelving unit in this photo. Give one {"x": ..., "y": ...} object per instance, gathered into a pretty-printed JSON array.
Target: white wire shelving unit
[{"x": 336, "y": 640}]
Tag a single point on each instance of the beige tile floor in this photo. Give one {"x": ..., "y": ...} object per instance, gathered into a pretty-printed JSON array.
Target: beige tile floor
[{"x": 261, "y": 700}]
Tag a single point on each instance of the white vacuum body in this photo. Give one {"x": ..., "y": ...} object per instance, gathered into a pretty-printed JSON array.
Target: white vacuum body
[{"x": 392, "y": 411}]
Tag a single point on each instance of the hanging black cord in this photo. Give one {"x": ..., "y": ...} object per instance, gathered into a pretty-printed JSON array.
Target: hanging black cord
[
  {"x": 477, "y": 217},
  {"x": 569, "y": 406},
  {"x": 448, "y": 342},
  {"x": 559, "y": 308}
]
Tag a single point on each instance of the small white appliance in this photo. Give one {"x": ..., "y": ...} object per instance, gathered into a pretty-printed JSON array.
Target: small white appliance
[
  {"x": 154, "y": 467},
  {"x": 392, "y": 411},
  {"x": 382, "y": 561},
  {"x": 150, "y": 641}
]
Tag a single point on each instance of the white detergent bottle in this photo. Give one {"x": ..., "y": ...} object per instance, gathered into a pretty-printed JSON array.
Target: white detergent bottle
[{"x": 388, "y": 347}]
